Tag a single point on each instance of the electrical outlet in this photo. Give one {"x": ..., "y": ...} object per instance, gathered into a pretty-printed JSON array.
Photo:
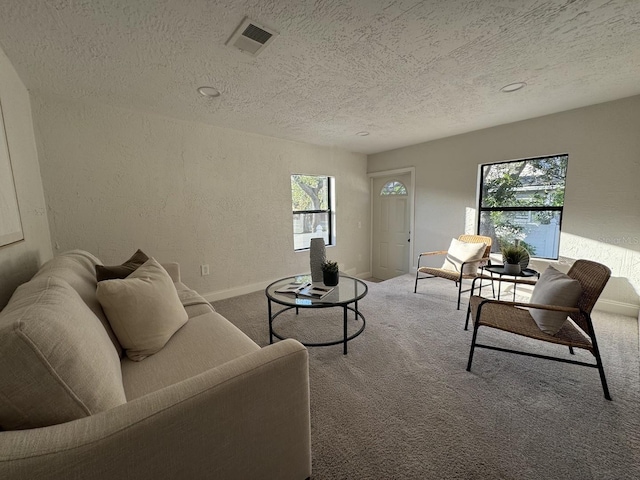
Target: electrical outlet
[{"x": 204, "y": 270}]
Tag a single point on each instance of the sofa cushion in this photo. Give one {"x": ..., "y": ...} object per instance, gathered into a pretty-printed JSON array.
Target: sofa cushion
[
  {"x": 192, "y": 301},
  {"x": 460, "y": 252},
  {"x": 111, "y": 272},
  {"x": 554, "y": 288},
  {"x": 78, "y": 269},
  {"x": 57, "y": 363},
  {"x": 204, "y": 342},
  {"x": 143, "y": 309}
]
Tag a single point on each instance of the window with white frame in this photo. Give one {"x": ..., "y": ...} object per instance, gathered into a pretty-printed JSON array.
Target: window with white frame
[
  {"x": 312, "y": 199},
  {"x": 522, "y": 202}
]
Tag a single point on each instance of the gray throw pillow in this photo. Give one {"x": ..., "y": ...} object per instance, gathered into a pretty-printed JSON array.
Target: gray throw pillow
[{"x": 554, "y": 288}]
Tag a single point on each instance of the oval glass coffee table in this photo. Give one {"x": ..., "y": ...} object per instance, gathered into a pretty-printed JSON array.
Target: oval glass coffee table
[{"x": 346, "y": 295}]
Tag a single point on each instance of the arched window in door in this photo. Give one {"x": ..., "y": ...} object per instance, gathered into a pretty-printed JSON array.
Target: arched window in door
[{"x": 393, "y": 188}]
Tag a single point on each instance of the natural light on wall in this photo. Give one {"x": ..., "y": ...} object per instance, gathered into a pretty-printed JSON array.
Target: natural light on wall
[
  {"x": 621, "y": 254},
  {"x": 614, "y": 252}
]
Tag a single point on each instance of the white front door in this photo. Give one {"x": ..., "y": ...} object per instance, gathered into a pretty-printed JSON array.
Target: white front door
[{"x": 390, "y": 256}]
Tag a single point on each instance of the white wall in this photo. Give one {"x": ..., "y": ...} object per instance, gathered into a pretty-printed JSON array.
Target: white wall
[
  {"x": 602, "y": 204},
  {"x": 116, "y": 180},
  {"x": 19, "y": 261}
]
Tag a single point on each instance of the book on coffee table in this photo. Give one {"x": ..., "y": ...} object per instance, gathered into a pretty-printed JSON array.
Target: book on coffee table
[{"x": 306, "y": 289}]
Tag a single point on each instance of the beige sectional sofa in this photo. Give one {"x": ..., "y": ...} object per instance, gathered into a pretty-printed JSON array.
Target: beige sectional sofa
[{"x": 210, "y": 404}]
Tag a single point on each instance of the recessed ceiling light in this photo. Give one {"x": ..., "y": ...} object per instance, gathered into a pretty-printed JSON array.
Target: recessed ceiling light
[
  {"x": 513, "y": 87},
  {"x": 362, "y": 134},
  {"x": 209, "y": 92}
]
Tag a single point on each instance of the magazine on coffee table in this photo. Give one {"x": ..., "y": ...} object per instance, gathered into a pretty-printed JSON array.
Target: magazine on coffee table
[{"x": 306, "y": 289}]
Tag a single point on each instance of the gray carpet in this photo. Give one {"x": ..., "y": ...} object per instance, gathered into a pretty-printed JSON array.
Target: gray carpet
[{"x": 401, "y": 405}]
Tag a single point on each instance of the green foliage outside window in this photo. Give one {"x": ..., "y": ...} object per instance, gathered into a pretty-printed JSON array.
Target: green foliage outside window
[
  {"x": 309, "y": 192},
  {"x": 310, "y": 199},
  {"x": 517, "y": 194}
]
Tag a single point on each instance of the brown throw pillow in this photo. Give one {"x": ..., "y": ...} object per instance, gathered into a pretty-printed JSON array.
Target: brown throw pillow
[{"x": 121, "y": 271}]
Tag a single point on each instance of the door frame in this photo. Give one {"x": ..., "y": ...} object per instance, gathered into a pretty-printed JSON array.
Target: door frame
[{"x": 412, "y": 198}]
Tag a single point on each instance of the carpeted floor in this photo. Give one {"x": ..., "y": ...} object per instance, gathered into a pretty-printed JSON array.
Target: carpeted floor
[{"x": 401, "y": 405}]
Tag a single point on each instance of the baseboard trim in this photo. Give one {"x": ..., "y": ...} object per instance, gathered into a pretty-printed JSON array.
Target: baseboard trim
[
  {"x": 621, "y": 308},
  {"x": 236, "y": 291}
]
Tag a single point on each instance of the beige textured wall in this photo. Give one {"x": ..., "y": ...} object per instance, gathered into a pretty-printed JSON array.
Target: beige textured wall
[
  {"x": 116, "y": 180},
  {"x": 19, "y": 261},
  {"x": 602, "y": 204}
]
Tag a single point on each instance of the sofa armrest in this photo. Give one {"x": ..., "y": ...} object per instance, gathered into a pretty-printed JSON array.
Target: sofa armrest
[
  {"x": 246, "y": 419},
  {"x": 173, "y": 269}
]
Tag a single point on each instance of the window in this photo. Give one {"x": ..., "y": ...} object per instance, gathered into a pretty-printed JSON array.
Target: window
[
  {"x": 313, "y": 209},
  {"x": 393, "y": 188},
  {"x": 522, "y": 201}
]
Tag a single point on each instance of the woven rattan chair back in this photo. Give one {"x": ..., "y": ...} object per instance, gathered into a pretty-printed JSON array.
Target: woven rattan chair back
[
  {"x": 593, "y": 277},
  {"x": 478, "y": 239}
]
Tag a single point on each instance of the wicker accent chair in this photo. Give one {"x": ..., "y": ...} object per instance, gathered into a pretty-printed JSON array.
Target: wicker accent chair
[
  {"x": 576, "y": 332},
  {"x": 454, "y": 275}
]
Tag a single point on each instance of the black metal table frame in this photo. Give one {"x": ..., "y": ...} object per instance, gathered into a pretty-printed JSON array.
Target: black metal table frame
[
  {"x": 345, "y": 306},
  {"x": 493, "y": 270}
]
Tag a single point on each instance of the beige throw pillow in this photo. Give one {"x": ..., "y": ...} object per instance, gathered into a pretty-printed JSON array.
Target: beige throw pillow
[
  {"x": 143, "y": 309},
  {"x": 554, "y": 288},
  {"x": 460, "y": 252}
]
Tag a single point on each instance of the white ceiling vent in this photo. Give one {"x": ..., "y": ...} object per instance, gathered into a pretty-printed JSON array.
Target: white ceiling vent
[{"x": 251, "y": 37}]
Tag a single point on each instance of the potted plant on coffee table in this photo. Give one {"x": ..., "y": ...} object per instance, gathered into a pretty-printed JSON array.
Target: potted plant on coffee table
[
  {"x": 330, "y": 273},
  {"x": 513, "y": 256}
]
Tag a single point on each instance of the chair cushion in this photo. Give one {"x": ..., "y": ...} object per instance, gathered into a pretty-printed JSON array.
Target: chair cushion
[
  {"x": 57, "y": 362},
  {"x": 460, "y": 252},
  {"x": 143, "y": 309},
  {"x": 554, "y": 288}
]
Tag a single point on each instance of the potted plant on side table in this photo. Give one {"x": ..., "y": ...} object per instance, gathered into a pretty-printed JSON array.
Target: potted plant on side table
[
  {"x": 330, "y": 273},
  {"x": 514, "y": 256}
]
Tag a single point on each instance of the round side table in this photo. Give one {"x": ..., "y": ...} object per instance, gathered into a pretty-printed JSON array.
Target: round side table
[{"x": 499, "y": 270}]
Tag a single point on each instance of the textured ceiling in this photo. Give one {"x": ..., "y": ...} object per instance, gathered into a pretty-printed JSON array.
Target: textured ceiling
[{"x": 406, "y": 71}]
